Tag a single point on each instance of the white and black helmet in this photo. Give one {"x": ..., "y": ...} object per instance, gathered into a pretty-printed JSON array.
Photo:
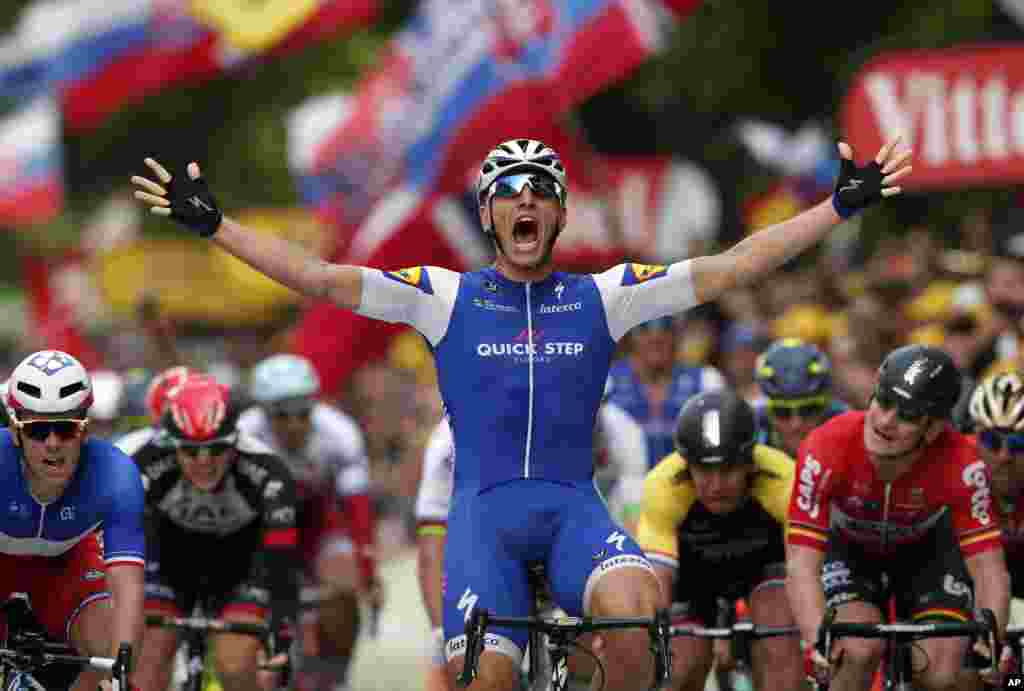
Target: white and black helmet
[
  {"x": 520, "y": 154},
  {"x": 999, "y": 402},
  {"x": 47, "y": 382}
]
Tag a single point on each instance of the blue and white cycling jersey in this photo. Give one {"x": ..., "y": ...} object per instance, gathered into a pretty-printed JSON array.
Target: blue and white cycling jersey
[
  {"x": 522, "y": 366},
  {"x": 105, "y": 493},
  {"x": 659, "y": 423},
  {"x": 521, "y": 369}
]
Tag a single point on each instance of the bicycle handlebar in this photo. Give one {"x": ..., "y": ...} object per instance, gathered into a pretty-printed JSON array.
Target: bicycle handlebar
[
  {"x": 40, "y": 658},
  {"x": 983, "y": 626},
  {"x": 568, "y": 628},
  {"x": 739, "y": 629},
  {"x": 208, "y": 624}
]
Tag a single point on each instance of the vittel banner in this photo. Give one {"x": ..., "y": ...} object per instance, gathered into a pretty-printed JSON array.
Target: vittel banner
[{"x": 961, "y": 110}]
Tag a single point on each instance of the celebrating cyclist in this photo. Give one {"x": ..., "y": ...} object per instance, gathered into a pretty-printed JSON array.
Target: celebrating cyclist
[
  {"x": 796, "y": 379},
  {"x": 220, "y": 530},
  {"x": 522, "y": 354},
  {"x": 324, "y": 449},
  {"x": 712, "y": 522},
  {"x": 60, "y": 488},
  {"x": 997, "y": 413},
  {"x": 893, "y": 502}
]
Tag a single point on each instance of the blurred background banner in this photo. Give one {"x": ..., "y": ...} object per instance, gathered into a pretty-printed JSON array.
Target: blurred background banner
[
  {"x": 31, "y": 179},
  {"x": 458, "y": 78},
  {"x": 961, "y": 110},
  {"x": 137, "y": 47},
  {"x": 388, "y": 166}
]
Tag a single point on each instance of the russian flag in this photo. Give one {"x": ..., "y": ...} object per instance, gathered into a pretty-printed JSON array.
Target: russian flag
[{"x": 31, "y": 179}]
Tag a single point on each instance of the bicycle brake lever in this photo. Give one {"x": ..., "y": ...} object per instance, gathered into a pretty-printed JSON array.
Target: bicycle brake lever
[{"x": 476, "y": 629}]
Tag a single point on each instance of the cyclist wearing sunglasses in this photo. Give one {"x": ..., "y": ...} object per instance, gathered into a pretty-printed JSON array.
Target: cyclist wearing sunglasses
[
  {"x": 325, "y": 451},
  {"x": 522, "y": 354},
  {"x": 712, "y": 523},
  {"x": 59, "y": 489},
  {"x": 997, "y": 414},
  {"x": 221, "y": 525},
  {"x": 892, "y": 501},
  {"x": 796, "y": 379}
]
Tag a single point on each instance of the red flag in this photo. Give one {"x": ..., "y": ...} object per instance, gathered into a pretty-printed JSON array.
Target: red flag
[{"x": 52, "y": 318}]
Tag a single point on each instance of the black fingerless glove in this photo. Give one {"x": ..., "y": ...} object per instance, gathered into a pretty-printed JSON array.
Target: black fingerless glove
[
  {"x": 857, "y": 187},
  {"x": 193, "y": 206}
]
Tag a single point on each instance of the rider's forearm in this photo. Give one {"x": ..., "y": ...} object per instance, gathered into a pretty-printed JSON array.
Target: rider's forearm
[
  {"x": 127, "y": 588},
  {"x": 804, "y": 589},
  {"x": 991, "y": 584},
  {"x": 430, "y": 557},
  {"x": 281, "y": 260},
  {"x": 770, "y": 248}
]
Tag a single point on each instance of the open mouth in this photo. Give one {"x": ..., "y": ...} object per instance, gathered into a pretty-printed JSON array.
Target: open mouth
[
  {"x": 882, "y": 435},
  {"x": 54, "y": 465},
  {"x": 526, "y": 233}
]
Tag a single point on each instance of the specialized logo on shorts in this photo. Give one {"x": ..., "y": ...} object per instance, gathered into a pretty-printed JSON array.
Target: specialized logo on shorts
[
  {"x": 639, "y": 273},
  {"x": 981, "y": 500},
  {"x": 416, "y": 276},
  {"x": 616, "y": 539},
  {"x": 467, "y": 602},
  {"x": 50, "y": 362},
  {"x": 93, "y": 575}
]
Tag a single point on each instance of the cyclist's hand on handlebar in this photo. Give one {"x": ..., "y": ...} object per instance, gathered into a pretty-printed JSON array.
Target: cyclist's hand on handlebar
[
  {"x": 185, "y": 198},
  {"x": 994, "y": 675}
]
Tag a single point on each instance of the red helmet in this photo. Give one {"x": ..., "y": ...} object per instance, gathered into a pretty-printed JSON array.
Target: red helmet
[
  {"x": 160, "y": 386},
  {"x": 200, "y": 411}
]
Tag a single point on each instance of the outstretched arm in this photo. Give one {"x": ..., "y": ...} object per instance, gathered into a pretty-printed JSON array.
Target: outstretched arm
[
  {"x": 772, "y": 247},
  {"x": 190, "y": 203}
]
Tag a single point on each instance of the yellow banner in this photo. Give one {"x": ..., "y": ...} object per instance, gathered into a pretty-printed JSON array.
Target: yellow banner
[
  {"x": 196, "y": 281},
  {"x": 254, "y": 26}
]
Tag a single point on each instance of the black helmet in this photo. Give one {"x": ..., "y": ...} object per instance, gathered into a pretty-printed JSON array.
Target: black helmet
[
  {"x": 791, "y": 368},
  {"x": 921, "y": 380},
  {"x": 716, "y": 427}
]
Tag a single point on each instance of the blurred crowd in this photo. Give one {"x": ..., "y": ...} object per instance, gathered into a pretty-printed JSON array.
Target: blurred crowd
[{"x": 963, "y": 292}]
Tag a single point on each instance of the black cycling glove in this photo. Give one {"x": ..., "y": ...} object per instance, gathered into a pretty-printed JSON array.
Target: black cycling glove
[
  {"x": 193, "y": 206},
  {"x": 857, "y": 187}
]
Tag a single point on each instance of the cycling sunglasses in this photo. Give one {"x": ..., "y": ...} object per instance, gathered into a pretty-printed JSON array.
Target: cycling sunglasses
[
  {"x": 299, "y": 408},
  {"x": 511, "y": 186},
  {"x": 803, "y": 408},
  {"x": 193, "y": 451},
  {"x": 994, "y": 440},
  {"x": 40, "y": 430},
  {"x": 905, "y": 413}
]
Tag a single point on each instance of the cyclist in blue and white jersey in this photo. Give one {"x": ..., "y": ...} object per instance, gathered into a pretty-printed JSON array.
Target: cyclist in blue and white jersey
[
  {"x": 60, "y": 490},
  {"x": 652, "y": 387},
  {"x": 522, "y": 354}
]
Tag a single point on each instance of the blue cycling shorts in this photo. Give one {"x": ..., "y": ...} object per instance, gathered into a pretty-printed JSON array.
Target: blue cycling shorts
[{"x": 495, "y": 536}]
